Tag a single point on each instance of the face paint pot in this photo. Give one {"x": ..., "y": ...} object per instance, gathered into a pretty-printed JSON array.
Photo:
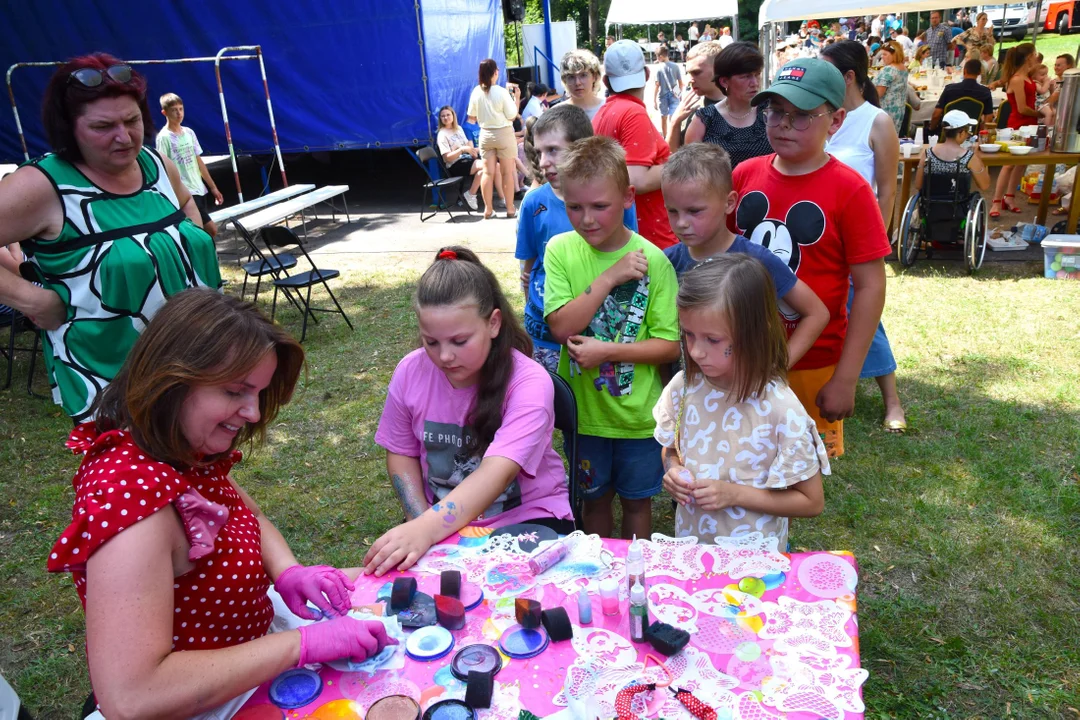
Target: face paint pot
[{"x": 394, "y": 707}]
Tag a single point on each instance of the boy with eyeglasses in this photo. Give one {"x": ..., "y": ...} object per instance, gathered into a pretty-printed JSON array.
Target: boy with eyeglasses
[{"x": 822, "y": 219}]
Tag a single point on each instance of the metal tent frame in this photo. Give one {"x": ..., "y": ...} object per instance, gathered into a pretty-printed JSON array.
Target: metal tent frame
[{"x": 217, "y": 59}]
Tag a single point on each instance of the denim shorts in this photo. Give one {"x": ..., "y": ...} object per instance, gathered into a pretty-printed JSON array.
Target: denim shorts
[
  {"x": 633, "y": 467},
  {"x": 668, "y": 104},
  {"x": 879, "y": 358}
]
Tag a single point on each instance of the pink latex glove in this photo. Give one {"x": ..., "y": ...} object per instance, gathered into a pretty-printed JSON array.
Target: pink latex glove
[
  {"x": 343, "y": 637},
  {"x": 299, "y": 584}
]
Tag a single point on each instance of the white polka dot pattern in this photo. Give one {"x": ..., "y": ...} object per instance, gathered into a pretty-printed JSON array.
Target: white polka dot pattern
[{"x": 117, "y": 485}]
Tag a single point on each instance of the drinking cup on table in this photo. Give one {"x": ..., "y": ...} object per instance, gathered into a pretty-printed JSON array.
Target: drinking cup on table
[{"x": 906, "y": 148}]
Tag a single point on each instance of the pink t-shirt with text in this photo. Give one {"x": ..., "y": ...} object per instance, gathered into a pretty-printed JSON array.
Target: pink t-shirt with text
[{"x": 425, "y": 418}]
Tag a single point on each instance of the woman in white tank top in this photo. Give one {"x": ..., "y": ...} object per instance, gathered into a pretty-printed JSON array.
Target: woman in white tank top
[
  {"x": 867, "y": 140},
  {"x": 867, "y": 143}
]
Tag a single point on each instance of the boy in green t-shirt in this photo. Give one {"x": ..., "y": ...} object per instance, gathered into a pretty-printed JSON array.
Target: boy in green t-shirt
[
  {"x": 609, "y": 298},
  {"x": 180, "y": 145}
]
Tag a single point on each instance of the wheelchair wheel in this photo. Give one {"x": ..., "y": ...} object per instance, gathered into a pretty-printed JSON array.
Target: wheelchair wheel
[
  {"x": 911, "y": 227},
  {"x": 975, "y": 234}
]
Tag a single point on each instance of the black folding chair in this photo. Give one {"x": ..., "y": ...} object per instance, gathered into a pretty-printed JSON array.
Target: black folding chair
[
  {"x": 905, "y": 123},
  {"x": 280, "y": 237},
  {"x": 566, "y": 422},
  {"x": 437, "y": 188},
  {"x": 259, "y": 264},
  {"x": 18, "y": 323}
]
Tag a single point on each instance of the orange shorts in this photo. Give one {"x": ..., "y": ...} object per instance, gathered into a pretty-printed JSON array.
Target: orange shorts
[{"x": 806, "y": 384}]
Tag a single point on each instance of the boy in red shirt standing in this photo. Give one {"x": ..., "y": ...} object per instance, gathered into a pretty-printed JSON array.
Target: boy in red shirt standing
[
  {"x": 820, "y": 217},
  {"x": 624, "y": 118}
]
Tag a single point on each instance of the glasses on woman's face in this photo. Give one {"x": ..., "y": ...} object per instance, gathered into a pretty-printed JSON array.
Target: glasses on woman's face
[
  {"x": 798, "y": 120},
  {"x": 92, "y": 77}
]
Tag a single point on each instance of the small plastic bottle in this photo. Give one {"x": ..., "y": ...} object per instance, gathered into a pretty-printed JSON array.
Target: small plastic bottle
[
  {"x": 639, "y": 613},
  {"x": 584, "y": 607},
  {"x": 635, "y": 564},
  {"x": 609, "y": 596}
]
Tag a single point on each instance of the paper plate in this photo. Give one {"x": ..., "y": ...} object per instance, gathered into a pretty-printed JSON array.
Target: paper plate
[
  {"x": 429, "y": 643},
  {"x": 483, "y": 658},
  {"x": 295, "y": 688}
]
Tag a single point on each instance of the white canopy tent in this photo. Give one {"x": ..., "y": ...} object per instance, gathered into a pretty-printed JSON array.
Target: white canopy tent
[
  {"x": 651, "y": 12},
  {"x": 786, "y": 10},
  {"x": 775, "y": 11}
]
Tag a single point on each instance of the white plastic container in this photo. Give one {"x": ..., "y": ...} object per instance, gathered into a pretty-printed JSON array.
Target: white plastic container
[{"x": 1061, "y": 257}]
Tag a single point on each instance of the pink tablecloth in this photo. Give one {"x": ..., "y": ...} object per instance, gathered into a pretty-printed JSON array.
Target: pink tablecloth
[{"x": 784, "y": 645}]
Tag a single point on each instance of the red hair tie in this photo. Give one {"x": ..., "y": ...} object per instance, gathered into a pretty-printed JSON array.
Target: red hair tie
[{"x": 447, "y": 255}]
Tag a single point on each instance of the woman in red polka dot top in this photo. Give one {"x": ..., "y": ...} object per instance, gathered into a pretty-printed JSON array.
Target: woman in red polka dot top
[{"x": 171, "y": 559}]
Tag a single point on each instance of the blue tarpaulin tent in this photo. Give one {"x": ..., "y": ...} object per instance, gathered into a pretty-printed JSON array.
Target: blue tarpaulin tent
[{"x": 342, "y": 74}]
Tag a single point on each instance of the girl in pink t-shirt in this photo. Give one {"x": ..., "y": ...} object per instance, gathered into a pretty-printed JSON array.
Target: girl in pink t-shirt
[{"x": 468, "y": 419}]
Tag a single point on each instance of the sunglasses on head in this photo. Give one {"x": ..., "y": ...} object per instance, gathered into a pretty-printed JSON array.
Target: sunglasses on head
[{"x": 92, "y": 77}]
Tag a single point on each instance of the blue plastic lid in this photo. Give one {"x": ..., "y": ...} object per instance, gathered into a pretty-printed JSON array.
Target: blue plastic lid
[
  {"x": 518, "y": 642},
  {"x": 429, "y": 643},
  {"x": 295, "y": 688},
  {"x": 450, "y": 710},
  {"x": 471, "y": 595}
]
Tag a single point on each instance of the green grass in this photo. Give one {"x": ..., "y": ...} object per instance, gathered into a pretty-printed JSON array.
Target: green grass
[
  {"x": 1050, "y": 44},
  {"x": 965, "y": 529}
]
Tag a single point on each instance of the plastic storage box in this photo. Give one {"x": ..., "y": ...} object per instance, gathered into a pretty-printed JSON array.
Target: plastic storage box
[{"x": 1061, "y": 257}]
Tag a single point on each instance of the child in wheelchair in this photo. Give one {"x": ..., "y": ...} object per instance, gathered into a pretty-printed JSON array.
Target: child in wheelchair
[
  {"x": 945, "y": 177},
  {"x": 946, "y": 209}
]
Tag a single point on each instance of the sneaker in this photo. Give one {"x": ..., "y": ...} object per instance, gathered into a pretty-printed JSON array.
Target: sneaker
[{"x": 470, "y": 200}]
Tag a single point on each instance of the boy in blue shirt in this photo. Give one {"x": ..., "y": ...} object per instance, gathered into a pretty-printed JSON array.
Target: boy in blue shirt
[
  {"x": 697, "y": 192},
  {"x": 542, "y": 216}
]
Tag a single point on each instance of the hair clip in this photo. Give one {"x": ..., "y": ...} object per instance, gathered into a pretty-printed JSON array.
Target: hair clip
[{"x": 447, "y": 255}]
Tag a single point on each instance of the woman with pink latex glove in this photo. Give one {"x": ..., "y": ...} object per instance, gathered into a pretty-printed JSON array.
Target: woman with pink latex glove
[
  {"x": 342, "y": 638},
  {"x": 171, "y": 558},
  {"x": 325, "y": 587}
]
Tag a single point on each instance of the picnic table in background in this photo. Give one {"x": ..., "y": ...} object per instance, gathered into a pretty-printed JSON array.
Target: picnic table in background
[
  {"x": 772, "y": 635},
  {"x": 1048, "y": 158}
]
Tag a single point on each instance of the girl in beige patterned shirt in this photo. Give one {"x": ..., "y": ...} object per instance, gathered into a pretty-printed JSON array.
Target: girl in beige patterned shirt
[{"x": 740, "y": 453}]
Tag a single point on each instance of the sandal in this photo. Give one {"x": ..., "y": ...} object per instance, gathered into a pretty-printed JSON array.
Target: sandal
[
  {"x": 1007, "y": 206},
  {"x": 1061, "y": 211},
  {"x": 995, "y": 213},
  {"x": 895, "y": 427}
]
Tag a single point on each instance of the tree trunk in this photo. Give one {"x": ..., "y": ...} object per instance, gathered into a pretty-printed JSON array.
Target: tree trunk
[{"x": 593, "y": 23}]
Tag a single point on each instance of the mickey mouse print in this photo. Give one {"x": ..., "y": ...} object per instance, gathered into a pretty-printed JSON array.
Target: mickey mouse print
[{"x": 820, "y": 224}]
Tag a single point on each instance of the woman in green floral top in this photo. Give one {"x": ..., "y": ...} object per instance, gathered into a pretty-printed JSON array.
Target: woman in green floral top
[{"x": 891, "y": 82}]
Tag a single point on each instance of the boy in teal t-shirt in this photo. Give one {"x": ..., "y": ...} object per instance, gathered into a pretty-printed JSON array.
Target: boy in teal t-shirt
[{"x": 609, "y": 297}]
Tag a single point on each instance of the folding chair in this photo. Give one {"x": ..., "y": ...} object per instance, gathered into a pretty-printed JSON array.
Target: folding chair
[
  {"x": 972, "y": 107},
  {"x": 260, "y": 264},
  {"x": 1003, "y": 114},
  {"x": 566, "y": 422},
  {"x": 280, "y": 236},
  {"x": 17, "y": 323},
  {"x": 437, "y": 187},
  {"x": 905, "y": 123}
]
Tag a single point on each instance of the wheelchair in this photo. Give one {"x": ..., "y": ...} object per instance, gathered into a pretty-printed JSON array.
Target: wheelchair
[{"x": 945, "y": 214}]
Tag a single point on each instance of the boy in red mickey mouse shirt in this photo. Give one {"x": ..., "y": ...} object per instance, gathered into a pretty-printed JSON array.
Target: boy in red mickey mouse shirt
[{"x": 820, "y": 217}]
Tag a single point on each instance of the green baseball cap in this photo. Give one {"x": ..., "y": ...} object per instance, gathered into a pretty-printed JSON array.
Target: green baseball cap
[{"x": 806, "y": 83}]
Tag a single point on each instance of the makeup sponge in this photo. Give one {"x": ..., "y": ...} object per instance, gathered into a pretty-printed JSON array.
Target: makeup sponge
[
  {"x": 557, "y": 623},
  {"x": 479, "y": 689},
  {"x": 528, "y": 613},
  {"x": 449, "y": 612},
  {"x": 667, "y": 640},
  {"x": 401, "y": 596},
  {"x": 450, "y": 583}
]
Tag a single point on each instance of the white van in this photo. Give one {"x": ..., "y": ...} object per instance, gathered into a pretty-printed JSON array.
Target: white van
[{"x": 1011, "y": 19}]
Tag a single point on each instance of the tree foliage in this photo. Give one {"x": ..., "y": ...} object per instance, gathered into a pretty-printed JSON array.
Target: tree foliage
[{"x": 578, "y": 11}]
